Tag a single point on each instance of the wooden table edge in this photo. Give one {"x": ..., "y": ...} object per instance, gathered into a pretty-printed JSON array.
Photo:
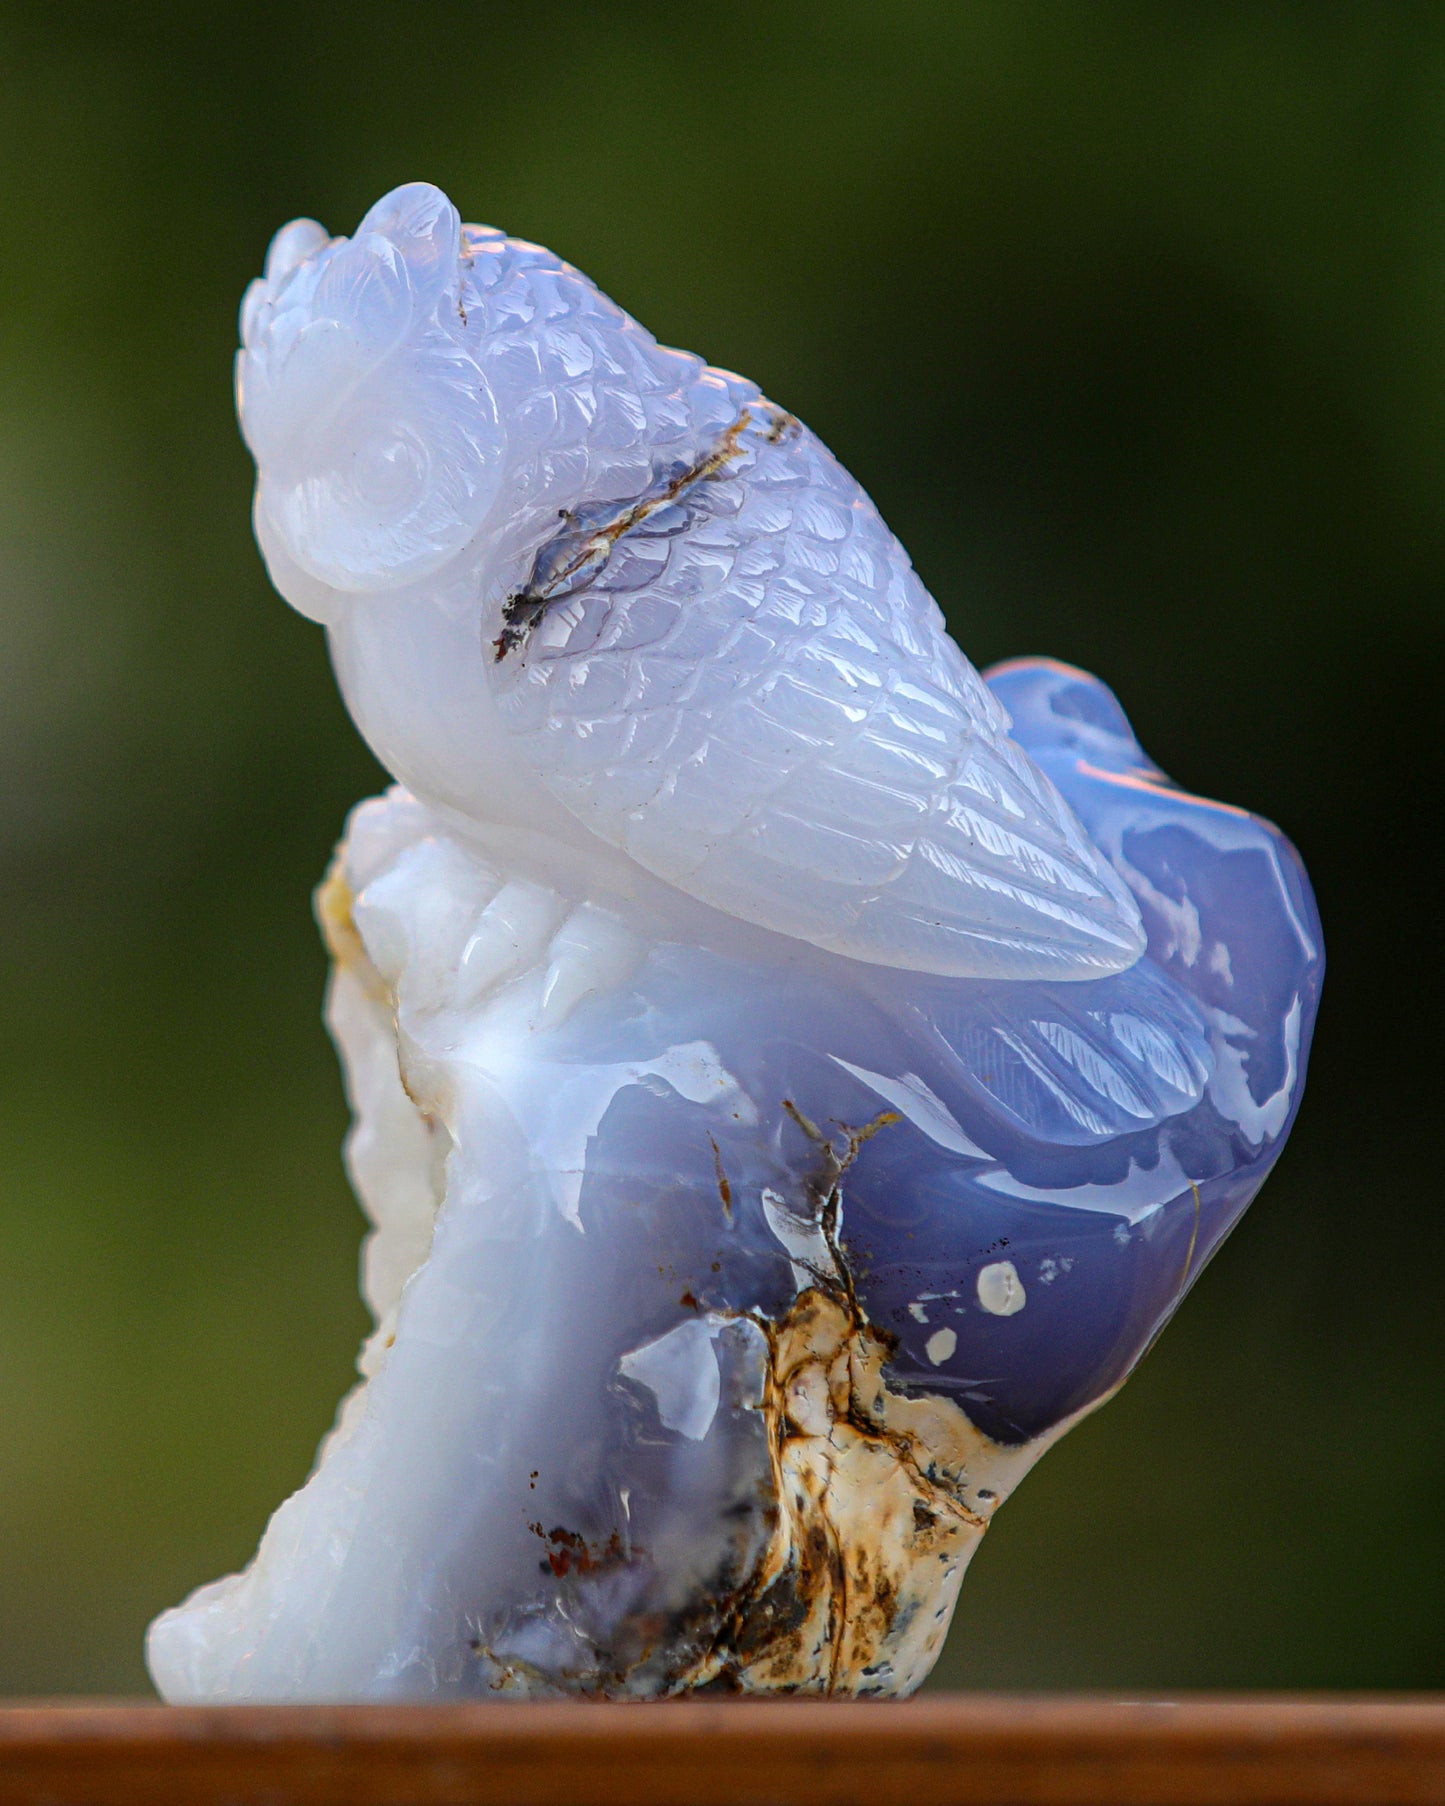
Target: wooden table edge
[{"x": 989, "y": 1749}]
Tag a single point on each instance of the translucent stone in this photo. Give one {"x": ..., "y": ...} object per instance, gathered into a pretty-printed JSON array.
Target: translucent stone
[{"x": 787, "y": 1095}]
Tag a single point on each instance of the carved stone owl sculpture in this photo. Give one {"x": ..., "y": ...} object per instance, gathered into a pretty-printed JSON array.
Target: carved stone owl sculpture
[{"x": 794, "y": 1077}]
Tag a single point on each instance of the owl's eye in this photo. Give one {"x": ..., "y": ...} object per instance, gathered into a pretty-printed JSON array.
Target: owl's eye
[
  {"x": 391, "y": 478},
  {"x": 362, "y": 510}
]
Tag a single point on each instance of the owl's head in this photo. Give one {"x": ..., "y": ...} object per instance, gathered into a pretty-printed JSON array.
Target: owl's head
[{"x": 377, "y": 445}]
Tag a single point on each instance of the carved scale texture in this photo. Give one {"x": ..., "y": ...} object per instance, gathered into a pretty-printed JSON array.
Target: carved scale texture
[{"x": 748, "y": 689}]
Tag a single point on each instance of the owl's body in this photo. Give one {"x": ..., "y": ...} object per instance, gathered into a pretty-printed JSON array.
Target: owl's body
[
  {"x": 623, "y": 579},
  {"x": 787, "y": 1096}
]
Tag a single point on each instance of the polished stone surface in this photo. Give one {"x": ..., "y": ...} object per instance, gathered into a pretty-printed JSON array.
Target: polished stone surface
[{"x": 794, "y": 1077}]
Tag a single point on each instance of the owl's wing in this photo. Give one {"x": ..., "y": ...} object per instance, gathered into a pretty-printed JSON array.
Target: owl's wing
[{"x": 738, "y": 678}]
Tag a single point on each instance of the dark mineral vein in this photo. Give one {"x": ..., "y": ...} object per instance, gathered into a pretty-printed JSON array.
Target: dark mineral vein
[{"x": 577, "y": 556}]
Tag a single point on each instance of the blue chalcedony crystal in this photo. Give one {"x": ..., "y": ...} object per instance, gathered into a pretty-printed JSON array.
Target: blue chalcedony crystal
[{"x": 1102, "y": 1137}]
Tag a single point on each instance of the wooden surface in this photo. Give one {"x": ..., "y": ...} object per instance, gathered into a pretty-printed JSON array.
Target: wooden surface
[{"x": 991, "y": 1749}]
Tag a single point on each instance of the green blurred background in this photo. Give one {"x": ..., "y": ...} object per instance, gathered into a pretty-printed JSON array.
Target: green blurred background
[{"x": 1131, "y": 317}]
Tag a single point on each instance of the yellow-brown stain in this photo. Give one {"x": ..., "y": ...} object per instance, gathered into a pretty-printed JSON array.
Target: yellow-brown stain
[
  {"x": 871, "y": 1534},
  {"x": 523, "y": 610},
  {"x": 334, "y": 903}
]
